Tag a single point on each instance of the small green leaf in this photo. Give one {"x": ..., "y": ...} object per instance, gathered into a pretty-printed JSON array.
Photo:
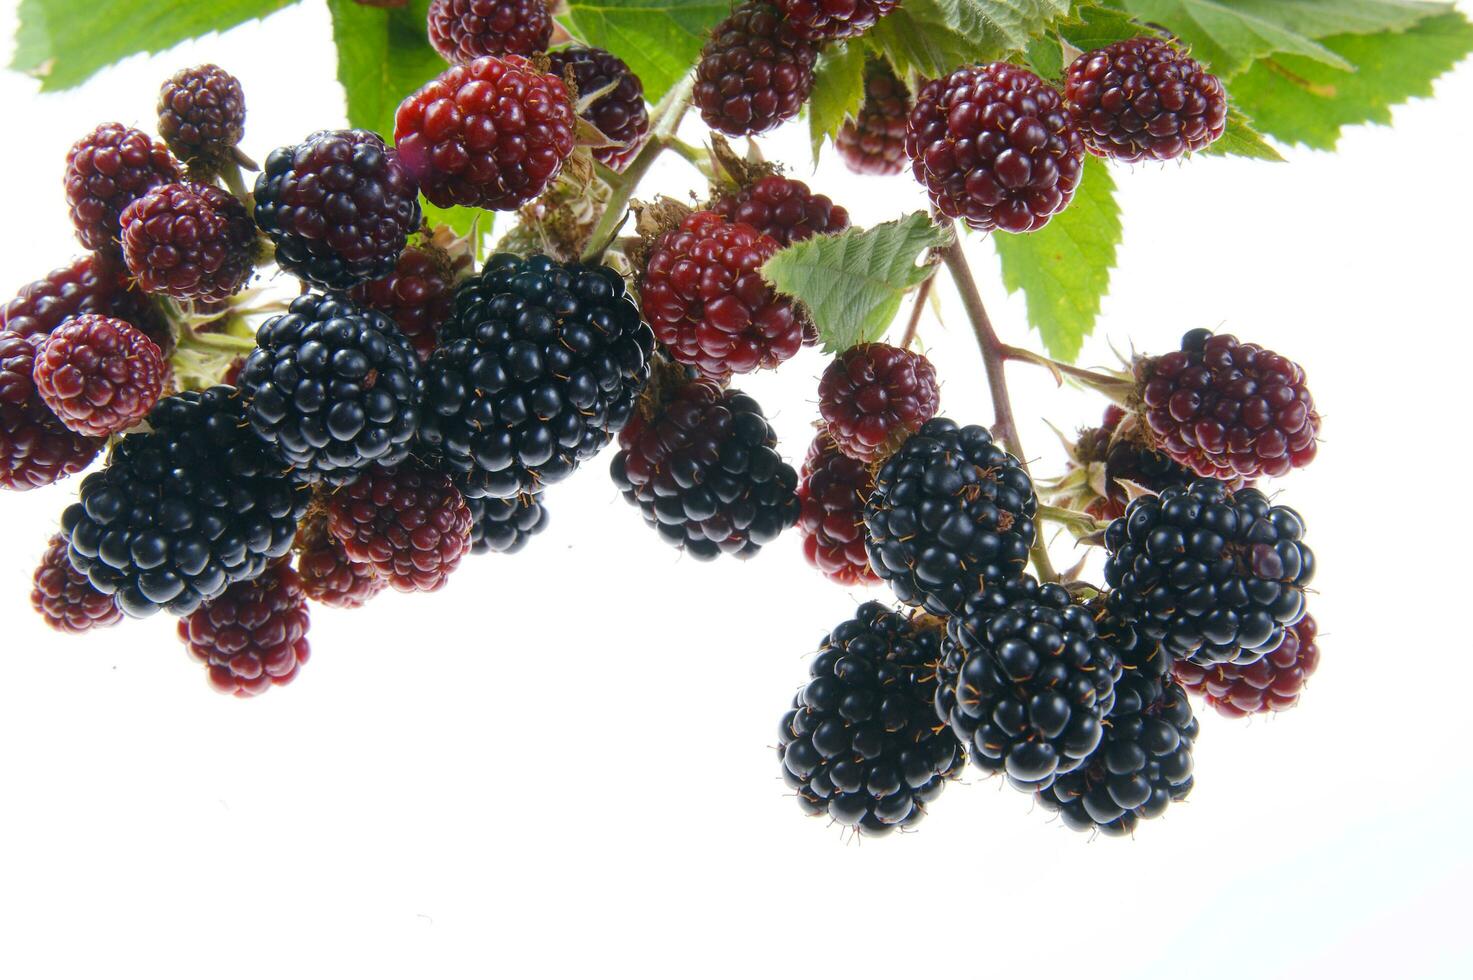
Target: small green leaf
[
  {"x": 933, "y": 37},
  {"x": 1242, "y": 140},
  {"x": 1064, "y": 268},
  {"x": 1297, "y": 100},
  {"x": 66, "y": 42},
  {"x": 838, "y": 90},
  {"x": 660, "y": 40},
  {"x": 852, "y": 283}
]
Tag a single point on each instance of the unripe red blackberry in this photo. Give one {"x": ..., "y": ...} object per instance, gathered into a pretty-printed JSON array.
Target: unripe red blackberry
[
  {"x": 409, "y": 523},
  {"x": 63, "y": 596},
  {"x": 189, "y": 241},
  {"x": 93, "y": 283},
  {"x": 833, "y": 20},
  {"x": 783, "y": 209},
  {"x": 254, "y": 636},
  {"x": 328, "y": 575},
  {"x": 419, "y": 295},
  {"x": 98, "y": 375},
  {"x": 872, "y": 397},
  {"x": 339, "y": 207},
  {"x": 1271, "y": 684},
  {"x": 704, "y": 296},
  {"x": 874, "y": 141},
  {"x": 994, "y": 145},
  {"x": 1142, "y": 99},
  {"x": 755, "y": 72},
  {"x": 491, "y": 134},
  {"x": 36, "y": 449},
  {"x": 832, "y": 495},
  {"x": 1228, "y": 410},
  {"x": 107, "y": 170},
  {"x": 620, "y": 112},
  {"x": 464, "y": 30},
  {"x": 703, "y": 468},
  {"x": 202, "y": 116}
]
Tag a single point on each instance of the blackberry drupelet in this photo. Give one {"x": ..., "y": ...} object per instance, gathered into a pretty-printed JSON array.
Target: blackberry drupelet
[
  {"x": 872, "y": 397},
  {"x": 339, "y": 206},
  {"x": 254, "y": 636},
  {"x": 94, "y": 283},
  {"x": 539, "y": 366},
  {"x": 36, "y": 449},
  {"x": 333, "y": 388},
  {"x": 1142, "y": 99},
  {"x": 63, "y": 596},
  {"x": 703, "y": 469},
  {"x": 98, "y": 375},
  {"x": 409, "y": 523},
  {"x": 107, "y": 170},
  {"x": 189, "y": 241},
  {"x": 505, "y": 526},
  {"x": 464, "y": 30},
  {"x": 1274, "y": 683},
  {"x": 418, "y": 294},
  {"x": 202, "y": 116},
  {"x": 822, "y": 21},
  {"x": 860, "y": 743},
  {"x": 832, "y": 492},
  {"x": 873, "y": 142},
  {"x": 755, "y": 72},
  {"x": 1226, "y": 409},
  {"x": 1026, "y": 681},
  {"x": 994, "y": 145},
  {"x": 951, "y": 514},
  {"x": 184, "y": 510},
  {"x": 620, "y": 112},
  {"x": 783, "y": 209},
  {"x": 1215, "y": 575}
]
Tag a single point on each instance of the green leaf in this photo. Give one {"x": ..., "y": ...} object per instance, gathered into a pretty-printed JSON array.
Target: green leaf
[
  {"x": 66, "y": 42},
  {"x": 852, "y": 283},
  {"x": 661, "y": 40},
  {"x": 933, "y": 37},
  {"x": 1242, "y": 140},
  {"x": 1088, "y": 28},
  {"x": 1297, "y": 100},
  {"x": 1064, "y": 268},
  {"x": 1230, "y": 36},
  {"x": 838, "y": 90}
]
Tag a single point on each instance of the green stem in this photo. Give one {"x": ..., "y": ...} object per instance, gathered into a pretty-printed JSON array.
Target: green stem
[
  {"x": 230, "y": 173},
  {"x": 217, "y": 341},
  {"x": 693, "y": 154}
]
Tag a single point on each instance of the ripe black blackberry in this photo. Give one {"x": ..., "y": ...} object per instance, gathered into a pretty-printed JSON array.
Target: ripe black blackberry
[
  {"x": 505, "y": 526},
  {"x": 539, "y": 365},
  {"x": 339, "y": 206},
  {"x": 1215, "y": 575},
  {"x": 951, "y": 513},
  {"x": 860, "y": 743},
  {"x": 754, "y": 72},
  {"x": 873, "y": 142},
  {"x": 107, "y": 170},
  {"x": 36, "y": 448},
  {"x": 703, "y": 468},
  {"x": 619, "y": 113},
  {"x": 333, "y": 388},
  {"x": 1026, "y": 681},
  {"x": 202, "y": 116},
  {"x": 464, "y": 30},
  {"x": 183, "y": 510}
]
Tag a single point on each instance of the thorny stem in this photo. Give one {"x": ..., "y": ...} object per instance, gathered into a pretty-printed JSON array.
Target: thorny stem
[
  {"x": 994, "y": 359},
  {"x": 923, "y": 293}
]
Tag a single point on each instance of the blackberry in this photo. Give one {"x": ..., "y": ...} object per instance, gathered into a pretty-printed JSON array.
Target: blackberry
[
  {"x": 98, "y": 375},
  {"x": 464, "y": 30},
  {"x": 703, "y": 468},
  {"x": 1215, "y": 575},
  {"x": 94, "y": 283},
  {"x": 505, "y": 526},
  {"x": 822, "y": 21},
  {"x": 36, "y": 449},
  {"x": 339, "y": 207},
  {"x": 418, "y": 294},
  {"x": 1226, "y": 409},
  {"x": 860, "y": 743},
  {"x": 185, "y": 509},
  {"x": 254, "y": 636},
  {"x": 951, "y": 514},
  {"x": 539, "y": 366},
  {"x": 202, "y": 116},
  {"x": 708, "y": 304},
  {"x": 873, "y": 142},
  {"x": 189, "y": 241},
  {"x": 454, "y": 137},
  {"x": 328, "y": 575},
  {"x": 107, "y": 170},
  {"x": 832, "y": 495},
  {"x": 1273, "y": 683},
  {"x": 63, "y": 596},
  {"x": 333, "y": 388},
  {"x": 1109, "y": 463},
  {"x": 755, "y": 72},
  {"x": 872, "y": 397},
  {"x": 620, "y": 112},
  {"x": 409, "y": 523},
  {"x": 1026, "y": 681},
  {"x": 783, "y": 209},
  {"x": 994, "y": 145},
  {"x": 1142, "y": 99},
  {"x": 1144, "y": 761}
]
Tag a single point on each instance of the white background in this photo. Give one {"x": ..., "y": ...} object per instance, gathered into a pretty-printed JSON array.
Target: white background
[{"x": 562, "y": 763}]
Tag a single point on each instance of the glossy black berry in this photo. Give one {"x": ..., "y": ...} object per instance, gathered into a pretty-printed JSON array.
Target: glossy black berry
[{"x": 505, "y": 526}]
